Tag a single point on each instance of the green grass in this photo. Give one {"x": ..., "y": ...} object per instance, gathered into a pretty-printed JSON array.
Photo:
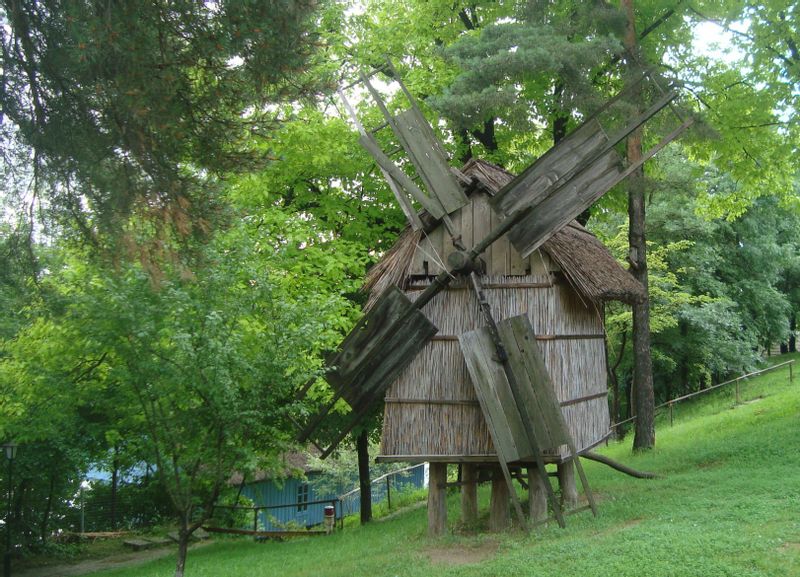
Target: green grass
[{"x": 727, "y": 504}]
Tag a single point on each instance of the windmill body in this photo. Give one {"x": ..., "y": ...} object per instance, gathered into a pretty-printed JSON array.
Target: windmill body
[{"x": 432, "y": 412}]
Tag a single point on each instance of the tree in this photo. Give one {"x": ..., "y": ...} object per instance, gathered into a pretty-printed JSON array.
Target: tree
[
  {"x": 140, "y": 108},
  {"x": 202, "y": 368}
]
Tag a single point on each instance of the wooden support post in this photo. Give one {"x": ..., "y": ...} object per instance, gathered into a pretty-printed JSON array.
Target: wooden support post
[
  {"x": 566, "y": 480},
  {"x": 737, "y": 391},
  {"x": 671, "y": 420},
  {"x": 437, "y": 499},
  {"x": 388, "y": 493},
  {"x": 499, "y": 514},
  {"x": 537, "y": 494},
  {"x": 791, "y": 374},
  {"x": 469, "y": 494}
]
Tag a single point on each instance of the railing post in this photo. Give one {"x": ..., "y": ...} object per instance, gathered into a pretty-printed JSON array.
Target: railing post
[
  {"x": 737, "y": 391},
  {"x": 389, "y": 492},
  {"x": 670, "y": 414},
  {"x": 255, "y": 518},
  {"x": 791, "y": 374}
]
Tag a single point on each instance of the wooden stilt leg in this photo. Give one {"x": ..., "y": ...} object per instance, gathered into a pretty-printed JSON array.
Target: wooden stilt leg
[
  {"x": 499, "y": 514},
  {"x": 566, "y": 480},
  {"x": 537, "y": 494},
  {"x": 469, "y": 494},
  {"x": 437, "y": 499}
]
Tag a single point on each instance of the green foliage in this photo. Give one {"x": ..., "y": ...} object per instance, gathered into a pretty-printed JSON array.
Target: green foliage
[
  {"x": 718, "y": 287},
  {"x": 510, "y": 69},
  {"x": 133, "y": 107}
]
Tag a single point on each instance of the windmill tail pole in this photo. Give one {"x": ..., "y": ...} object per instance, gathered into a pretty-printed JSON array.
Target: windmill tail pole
[{"x": 618, "y": 466}]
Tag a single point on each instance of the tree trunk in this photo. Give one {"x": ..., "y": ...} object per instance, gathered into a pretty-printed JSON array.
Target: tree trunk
[
  {"x": 47, "y": 510},
  {"x": 645, "y": 434},
  {"x": 364, "y": 480},
  {"x": 114, "y": 487},
  {"x": 183, "y": 550},
  {"x": 437, "y": 499},
  {"x": 469, "y": 494}
]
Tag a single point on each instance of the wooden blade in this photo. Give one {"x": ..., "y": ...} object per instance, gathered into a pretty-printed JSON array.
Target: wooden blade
[
  {"x": 553, "y": 212},
  {"x": 379, "y": 347},
  {"x": 425, "y": 152},
  {"x": 539, "y": 179}
]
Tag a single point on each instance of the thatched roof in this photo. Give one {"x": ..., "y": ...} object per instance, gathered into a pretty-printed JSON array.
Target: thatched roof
[{"x": 586, "y": 263}]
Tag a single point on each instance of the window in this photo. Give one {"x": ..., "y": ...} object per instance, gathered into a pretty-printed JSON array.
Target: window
[{"x": 302, "y": 497}]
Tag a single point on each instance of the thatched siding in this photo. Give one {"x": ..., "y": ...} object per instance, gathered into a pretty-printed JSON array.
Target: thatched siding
[{"x": 457, "y": 430}]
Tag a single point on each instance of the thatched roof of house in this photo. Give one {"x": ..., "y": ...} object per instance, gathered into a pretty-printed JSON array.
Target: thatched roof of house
[{"x": 586, "y": 263}]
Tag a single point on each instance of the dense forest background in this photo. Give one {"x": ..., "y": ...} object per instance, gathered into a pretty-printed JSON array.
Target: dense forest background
[{"x": 187, "y": 216}]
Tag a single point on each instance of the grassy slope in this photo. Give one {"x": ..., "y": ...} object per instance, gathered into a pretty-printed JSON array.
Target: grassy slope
[{"x": 728, "y": 503}]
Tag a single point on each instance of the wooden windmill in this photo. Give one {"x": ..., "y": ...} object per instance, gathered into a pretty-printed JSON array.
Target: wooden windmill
[{"x": 505, "y": 365}]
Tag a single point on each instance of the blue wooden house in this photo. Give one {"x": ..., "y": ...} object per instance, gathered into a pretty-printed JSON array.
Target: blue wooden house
[{"x": 294, "y": 501}]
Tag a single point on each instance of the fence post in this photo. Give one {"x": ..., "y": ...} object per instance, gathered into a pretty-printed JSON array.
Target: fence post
[
  {"x": 255, "y": 518},
  {"x": 791, "y": 375},
  {"x": 670, "y": 414},
  {"x": 389, "y": 492},
  {"x": 737, "y": 391}
]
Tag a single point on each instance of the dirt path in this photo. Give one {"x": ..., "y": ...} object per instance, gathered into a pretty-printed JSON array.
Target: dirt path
[{"x": 93, "y": 565}]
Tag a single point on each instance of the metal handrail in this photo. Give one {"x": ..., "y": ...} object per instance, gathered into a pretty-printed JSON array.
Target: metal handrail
[{"x": 711, "y": 388}]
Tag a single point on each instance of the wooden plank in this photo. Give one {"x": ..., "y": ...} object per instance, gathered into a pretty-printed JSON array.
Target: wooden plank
[
  {"x": 465, "y": 224},
  {"x": 495, "y": 397},
  {"x": 547, "y": 172},
  {"x": 499, "y": 263},
  {"x": 481, "y": 223},
  {"x": 491, "y": 386},
  {"x": 400, "y": 178},
  {"x": 565, "y": 203},
  {"x": 532, "y": 388},
  {"x": 434, "y": 248},
  {"x": 383, "y": 343},
  {"x": 447, "y": 241},
  {"x": 418, "y": 139},
  {"x": 516, "y": 264}
]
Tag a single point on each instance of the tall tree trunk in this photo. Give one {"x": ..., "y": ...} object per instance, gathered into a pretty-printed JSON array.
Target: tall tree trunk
[
  {"x": 613, "y": 376},
  {"x": 114, "y": 487},
  {"x": 47, "y": 510},
  {"x": 364, "y": 481},
  {"x": 645, "y": 433}
]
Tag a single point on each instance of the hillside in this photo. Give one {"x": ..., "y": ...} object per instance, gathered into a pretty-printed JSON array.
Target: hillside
[{"x": 727, "y": 503}]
